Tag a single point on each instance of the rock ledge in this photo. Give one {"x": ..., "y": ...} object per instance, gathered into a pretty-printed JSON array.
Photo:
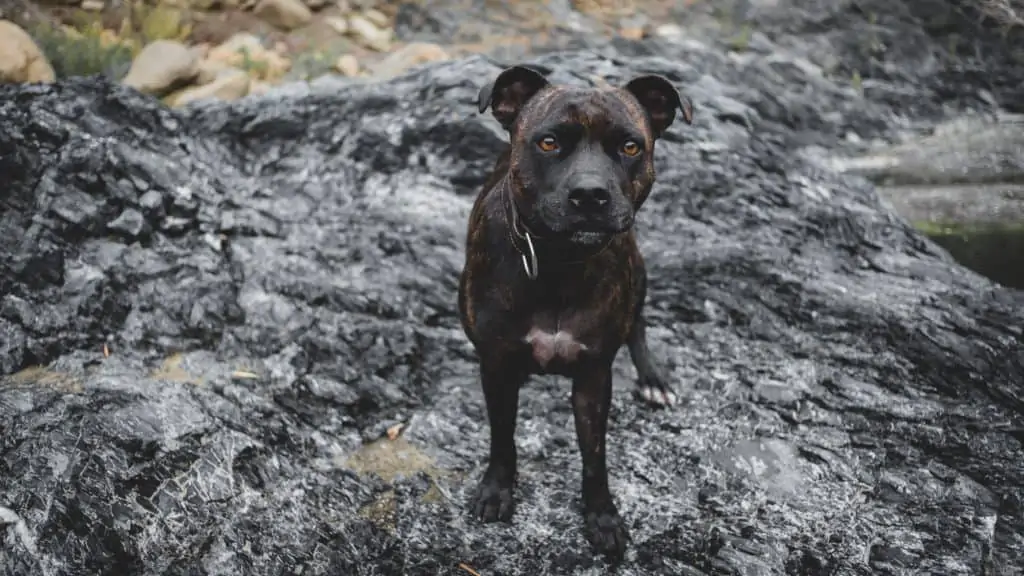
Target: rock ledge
[{"x": 234, "y": 303}]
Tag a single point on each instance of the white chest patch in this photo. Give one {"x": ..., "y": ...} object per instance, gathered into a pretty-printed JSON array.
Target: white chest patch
[{"x": 560, "y": 346}]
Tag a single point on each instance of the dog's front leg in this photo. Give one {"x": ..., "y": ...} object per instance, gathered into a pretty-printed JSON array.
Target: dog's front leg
[
  {"x": 501, "y": 380},
  {"x": 591, "y": 400}
]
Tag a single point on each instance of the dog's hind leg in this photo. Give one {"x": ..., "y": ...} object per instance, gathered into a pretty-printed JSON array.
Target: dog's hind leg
[
  {"x": 652, "y": 384},
  {"x": 501, "y": 382}
]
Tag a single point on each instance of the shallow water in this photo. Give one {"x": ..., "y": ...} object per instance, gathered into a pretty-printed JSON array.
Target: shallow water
[{"x": 996, "y": 252}]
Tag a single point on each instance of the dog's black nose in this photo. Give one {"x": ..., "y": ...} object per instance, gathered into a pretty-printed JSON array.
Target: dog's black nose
[{"x": 589, "y": 198}]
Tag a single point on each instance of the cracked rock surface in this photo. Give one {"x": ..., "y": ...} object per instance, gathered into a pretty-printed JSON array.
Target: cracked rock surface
[{"x": 230, "y": 344}]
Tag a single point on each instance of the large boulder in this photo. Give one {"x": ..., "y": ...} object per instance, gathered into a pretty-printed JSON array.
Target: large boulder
[{"x": 231, "y": 344}]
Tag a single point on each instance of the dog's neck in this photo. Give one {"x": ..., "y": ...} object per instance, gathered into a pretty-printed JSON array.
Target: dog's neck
[{"x": 537, "y": 250}]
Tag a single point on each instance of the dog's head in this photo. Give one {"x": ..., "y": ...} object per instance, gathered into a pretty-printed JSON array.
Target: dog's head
[{"x": 582, "y": 159}]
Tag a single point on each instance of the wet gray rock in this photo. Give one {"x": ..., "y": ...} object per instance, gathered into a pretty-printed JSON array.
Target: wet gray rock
[
  {"x": 273, "y": 381},
  {"x": 922, "y": 57},
  {"x": 963, "y": 151},
  {"x": 994, "y": 205},
  {"x": 130, "y": 222}
]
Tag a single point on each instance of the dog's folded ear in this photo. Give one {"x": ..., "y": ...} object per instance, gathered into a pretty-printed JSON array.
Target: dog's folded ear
[
  {"x": 510, "y": 91},
  {"x": 661, "y": 99}
]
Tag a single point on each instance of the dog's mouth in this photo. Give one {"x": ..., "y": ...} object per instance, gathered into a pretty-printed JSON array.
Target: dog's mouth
[
  {"x": 587, "y": 238},
  {"x": 584, "y": 230},
  {"x": 596, "y": 233}
]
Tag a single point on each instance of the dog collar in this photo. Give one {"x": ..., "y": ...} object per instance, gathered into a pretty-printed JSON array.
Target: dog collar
[
  {"x": 530, "y": 266},
  {"x": 514, "y": 224}
]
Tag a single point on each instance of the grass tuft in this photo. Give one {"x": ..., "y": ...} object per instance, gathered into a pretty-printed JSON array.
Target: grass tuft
[
  {"x": 85, "y": 51},
  {"x": 150, "y": 23},
  {"x": 86, "y": 48}
]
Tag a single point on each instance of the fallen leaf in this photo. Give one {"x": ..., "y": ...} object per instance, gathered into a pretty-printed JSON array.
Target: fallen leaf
[
  {"x": 468, "y": 569},
  {"x": 244, "y": 375},
  {"x": 395, "y": 430},
  {"x": 106, "y": 351}
]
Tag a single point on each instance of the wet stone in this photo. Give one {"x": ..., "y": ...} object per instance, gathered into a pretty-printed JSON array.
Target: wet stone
[
  {"x": 75, "y": 207},
  {"x": 276, "y": 382},
  {"x": 130, "y": 222},
  {"x": 152, "y": 202}
]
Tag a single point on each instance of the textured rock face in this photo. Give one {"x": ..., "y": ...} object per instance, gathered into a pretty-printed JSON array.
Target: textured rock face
[{"x": 237, "y": 304}]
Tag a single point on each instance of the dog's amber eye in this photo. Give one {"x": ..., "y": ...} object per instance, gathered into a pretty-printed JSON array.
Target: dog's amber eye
[
  {"x": 630, "y": 148},
  {"x": 548, "y": 144}
]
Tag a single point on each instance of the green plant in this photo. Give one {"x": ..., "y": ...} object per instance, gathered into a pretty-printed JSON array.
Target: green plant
[
  {"x": 319, "y": 62},
  {"x": 741, "y": 40},
  {"x": 873, "y": 43},
  {"x": 86, "y": 48},
  {"x": 310, "y": 65},
  {"x": 146, "y": 24},
  {"x": 253, "y": 66},
  {"x": 85, "y": 52}
]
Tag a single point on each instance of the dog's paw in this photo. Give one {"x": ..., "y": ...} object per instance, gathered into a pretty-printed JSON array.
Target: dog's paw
[
  {"x": 607, "y": 532},
  {"x": 655, "y": 389},
  {"x": 493, "y": 500}
]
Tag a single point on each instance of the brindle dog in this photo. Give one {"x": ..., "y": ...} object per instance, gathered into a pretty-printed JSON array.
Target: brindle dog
[{"x": 553, "y": 281}]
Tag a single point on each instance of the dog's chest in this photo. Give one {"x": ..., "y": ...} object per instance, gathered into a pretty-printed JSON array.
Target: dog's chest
[
  {"x": 558, "y": 348},
  {"x": 555, "y": 342},
  {"x": 570, "y": 320}
]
